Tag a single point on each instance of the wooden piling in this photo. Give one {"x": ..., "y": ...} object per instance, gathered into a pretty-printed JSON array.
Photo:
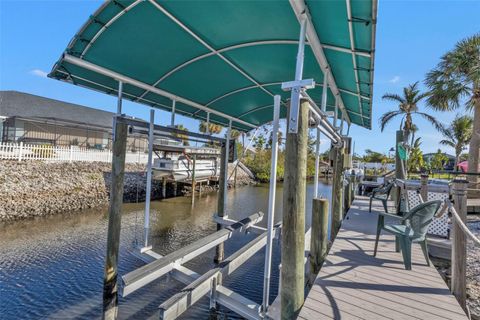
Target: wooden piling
[
  {"x": 459, "y": 243},
  {"x": 293, "y": 230},
  {"x": 319, "y": 236},
  {"x": 222, "y": 190},
  {"x": 194, "y": 164},
  {"x": 424, "y": 186},
  {"x": 337, "y": 190},
  {"x": 399, "y": 170},
  {"x": 346, "y": 195},
  {"x": 164, "y": 188},
  {"x": 110, "y": 290}
]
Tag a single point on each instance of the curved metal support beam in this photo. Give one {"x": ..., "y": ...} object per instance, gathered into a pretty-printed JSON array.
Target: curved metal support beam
[
  {"x": 255, "y": 110},
  {"x": 301, "y": 11},
  {"x": 372, "y": 60},
  {"x": 215, "y": 52},
  {"x": 240, "y": 90},
  {"x": 354, "y": 59},
  {"x": 237, "y": 91},
  {"x": 206, "y": 45},
  {"x": 347, "y": 50},
  {"x": 119, "y": 77},
  {"x": 154, "y": 104},
  {"x": 105, "y": 27}
]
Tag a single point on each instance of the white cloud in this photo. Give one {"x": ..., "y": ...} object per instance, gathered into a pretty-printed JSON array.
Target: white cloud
[
  {"x": 395, "y": 79},
  {"x": 38, "y": 73}
]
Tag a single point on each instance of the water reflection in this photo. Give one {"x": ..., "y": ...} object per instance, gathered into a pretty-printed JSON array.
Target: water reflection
[{"x": 52, "y": 267}]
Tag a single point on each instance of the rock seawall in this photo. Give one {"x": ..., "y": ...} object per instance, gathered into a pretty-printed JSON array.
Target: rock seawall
[{"x": 35, "y": 188}]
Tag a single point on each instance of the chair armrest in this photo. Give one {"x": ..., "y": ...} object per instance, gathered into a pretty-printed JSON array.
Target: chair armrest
[{"x": 401, "y": 218}]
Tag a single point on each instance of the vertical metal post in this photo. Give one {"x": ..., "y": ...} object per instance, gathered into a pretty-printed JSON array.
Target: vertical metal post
[
  {"x": 335, "y": 115},
  {"x": 148, "y": 192},
  {"x": 459, "y": 243},
  {"x": 207, "y": 131},
  {"x": 399, "y": 168},
  {"x": 271, "y": 203},
  {"x": 295, "y": 96},
  {"x": 110, "y": 290},
  {"x": 172, "y": 120},
  {"x": 227, "y": 146},
  {"x": 317, "y": 165},
  {"x": 120, "y": 95},
  {"x": 324, "y": 92},
  {"x": 222, "y": 197},
  {"x": 341, "y": 123},
  {"x": 222, "y": 193},
  {"x": 194, "y": 165}
]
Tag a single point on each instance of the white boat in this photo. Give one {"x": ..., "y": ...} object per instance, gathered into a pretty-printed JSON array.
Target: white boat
[{"x": 177, "y": 163}]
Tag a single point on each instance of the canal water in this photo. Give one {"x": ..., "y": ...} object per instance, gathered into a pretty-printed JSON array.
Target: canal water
[{"x": 52, "y": 267}]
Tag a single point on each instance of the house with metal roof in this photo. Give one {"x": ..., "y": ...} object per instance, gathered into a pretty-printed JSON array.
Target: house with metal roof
[{"x": 34, "y": 119}]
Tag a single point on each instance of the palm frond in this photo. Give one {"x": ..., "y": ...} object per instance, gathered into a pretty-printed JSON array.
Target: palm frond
[
  {"x": 448, "y": 143},
  {"x": 387, "y": 117},
  {"x": 453, "y": 79},
  {"x": 393, "y": 97},
  {"x": 437, "y": 124}
]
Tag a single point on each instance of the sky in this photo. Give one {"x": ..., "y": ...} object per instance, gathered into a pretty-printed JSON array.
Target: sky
[{"x": 411, "y": 37}]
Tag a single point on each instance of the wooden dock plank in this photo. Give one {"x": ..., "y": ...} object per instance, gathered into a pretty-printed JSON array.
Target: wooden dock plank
[{"x": 355, "y": 285}]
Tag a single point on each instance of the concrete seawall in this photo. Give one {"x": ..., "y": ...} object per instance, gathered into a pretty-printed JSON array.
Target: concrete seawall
[{"x": 34, "y": 188}]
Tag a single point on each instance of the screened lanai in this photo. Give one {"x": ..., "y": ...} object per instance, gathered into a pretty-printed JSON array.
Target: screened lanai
[{"x": 225, "y": 58}]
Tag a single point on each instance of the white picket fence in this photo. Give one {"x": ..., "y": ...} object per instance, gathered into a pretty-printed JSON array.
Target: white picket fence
[{"x": 23, "y": 152}]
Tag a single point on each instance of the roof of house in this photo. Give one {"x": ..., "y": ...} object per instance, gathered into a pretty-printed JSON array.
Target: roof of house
[
  {"x": 26, "y": 105},
  {"x": 430, "y": 155}
]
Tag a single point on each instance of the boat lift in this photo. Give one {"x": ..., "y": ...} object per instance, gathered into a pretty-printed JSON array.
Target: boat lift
[
  {"x": 199, "y": 83},
  {"x": 210, "y": 283}
]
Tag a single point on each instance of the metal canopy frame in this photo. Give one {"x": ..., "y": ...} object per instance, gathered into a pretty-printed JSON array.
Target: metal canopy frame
[
  {"x": 300, "y": 10},
  {"x": 139, "y": 84},
  {"x": 308, "y": 37}
]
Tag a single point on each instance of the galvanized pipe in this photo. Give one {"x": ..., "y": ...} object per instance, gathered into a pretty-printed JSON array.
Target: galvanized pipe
[
  {"x": 148, "y": 193},
  {"x": 172, "y": 119},
  {"x": 296, "y": 92},
  {"x": 119, "y": 101},
  {"x": 271, "y": 204},
  {"x": 317, "y": 165}
]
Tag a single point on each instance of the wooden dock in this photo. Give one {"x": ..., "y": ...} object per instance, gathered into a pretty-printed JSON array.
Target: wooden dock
[{"x": 353, "y": 284}]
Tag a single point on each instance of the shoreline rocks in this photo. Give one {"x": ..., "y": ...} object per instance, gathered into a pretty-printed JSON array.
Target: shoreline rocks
[{"x": 36, "y": 188}]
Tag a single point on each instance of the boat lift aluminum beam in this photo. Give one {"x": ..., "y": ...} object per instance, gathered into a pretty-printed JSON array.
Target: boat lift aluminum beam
[
  {"x": 161, "y": 130},
  {"x": 124, "y": 79},
  {"x": 180, "y": 302},
  {"x": 322, "y": 123},
  {"x": 224, "y": 296},
  {"x": 142, "y": 276}
]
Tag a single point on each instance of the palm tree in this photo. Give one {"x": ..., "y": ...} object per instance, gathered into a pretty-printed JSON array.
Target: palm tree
[
  {"x": 458, "y": 135},
  {"x": 415, "y": 158},
  {"x": 182, "y": 136},
  {"x": 456, "y": 79},
  {"x": 212, "y": 127},
  {"x": 407, "y": 107}
]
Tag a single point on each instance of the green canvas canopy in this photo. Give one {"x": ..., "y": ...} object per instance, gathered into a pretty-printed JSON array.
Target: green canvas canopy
[{"x": 227, "y": 58}]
